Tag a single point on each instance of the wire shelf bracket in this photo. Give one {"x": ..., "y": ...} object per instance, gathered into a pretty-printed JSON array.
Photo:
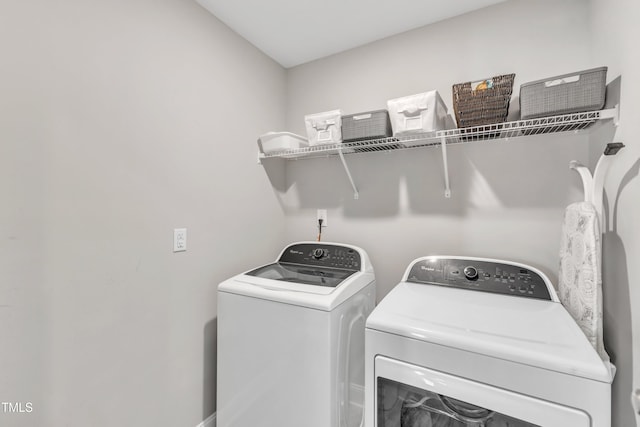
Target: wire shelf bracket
[
  {"x": 356, "y": 194},
  {"x": 611, "y": 113},
  {"x": 447, "y": 188}
]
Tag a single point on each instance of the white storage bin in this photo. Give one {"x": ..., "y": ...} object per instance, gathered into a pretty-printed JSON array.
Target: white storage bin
[
  {"x": 274, "y": 142},
  {"x": 324, "y": 128},
  {"x": 423, "y": 112}
]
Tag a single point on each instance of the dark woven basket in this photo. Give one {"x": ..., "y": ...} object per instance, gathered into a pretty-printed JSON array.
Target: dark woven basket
[{"x": 484, "y": 106}]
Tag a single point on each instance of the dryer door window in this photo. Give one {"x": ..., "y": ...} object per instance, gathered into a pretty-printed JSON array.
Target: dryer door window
[
  {"x": 413, "y": 396},
  {"x": 402, "y": 405}
]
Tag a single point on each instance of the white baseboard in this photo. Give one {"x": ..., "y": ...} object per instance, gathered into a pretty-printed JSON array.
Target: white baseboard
[{"x": 209, "y": 422}]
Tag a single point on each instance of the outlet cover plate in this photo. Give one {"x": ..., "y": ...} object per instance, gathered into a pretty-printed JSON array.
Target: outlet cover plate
[{"x": 179, "y": 239}]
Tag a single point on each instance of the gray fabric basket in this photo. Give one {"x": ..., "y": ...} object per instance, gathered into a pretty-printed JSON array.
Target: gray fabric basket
[
  {"x": 565, "y": 94},
  {"x": 363, "y": 126}
]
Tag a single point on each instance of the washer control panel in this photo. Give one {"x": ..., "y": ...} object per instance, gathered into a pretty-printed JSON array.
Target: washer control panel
[
  {"x": 333, "y": 256},
  {"x": 476, "y": 275}
]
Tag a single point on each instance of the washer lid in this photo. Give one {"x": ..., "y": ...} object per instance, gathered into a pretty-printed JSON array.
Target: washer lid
[
  {"x": 529, "y": 331},
  {"x": 303, "y": 274},
  {"x": 295, "y": 293},
  {"x": 316, "y": 275}
]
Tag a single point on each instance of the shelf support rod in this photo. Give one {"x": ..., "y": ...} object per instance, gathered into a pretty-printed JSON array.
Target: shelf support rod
[
  {"x": 447, "y": 189},
  {"x": 356, "y": 195}
]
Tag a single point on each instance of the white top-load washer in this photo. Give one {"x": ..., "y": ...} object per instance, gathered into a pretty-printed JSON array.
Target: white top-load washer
[
  {"x": 291, "y": 339},
  {"x": 464, "y": 342}
]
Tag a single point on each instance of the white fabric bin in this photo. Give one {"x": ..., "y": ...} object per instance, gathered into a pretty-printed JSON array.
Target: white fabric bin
[
  {"x": 419, "y": 113},
  {"x": 324, "y": 128},
  {"x": 274, "y": 142}
]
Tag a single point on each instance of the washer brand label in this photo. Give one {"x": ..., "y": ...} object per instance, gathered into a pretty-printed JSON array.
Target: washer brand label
[
  {"x": 292, "y": 251},
  {"x": 425, "y": 268}
]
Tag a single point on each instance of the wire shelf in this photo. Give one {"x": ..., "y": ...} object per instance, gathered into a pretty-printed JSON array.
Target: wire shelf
[{"x": 500, "y": 131}]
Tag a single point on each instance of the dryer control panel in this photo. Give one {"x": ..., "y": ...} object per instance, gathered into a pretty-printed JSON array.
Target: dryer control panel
[
  {"x": 480, "y": 275},
  {"x": 322, "y": 255}
]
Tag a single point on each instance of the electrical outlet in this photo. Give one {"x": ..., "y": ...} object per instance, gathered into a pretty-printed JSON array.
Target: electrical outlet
[
  {"x": 179, "y": 239},
  {"x": 322, "y": 215}
]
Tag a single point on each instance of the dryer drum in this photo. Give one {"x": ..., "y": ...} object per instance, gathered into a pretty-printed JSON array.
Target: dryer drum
[
  {"x": 404, "y": 405},
  {"x": 425, "y": 416},
  {"x": 466, "y": 411},
  {"x": 432, "y": 411}
]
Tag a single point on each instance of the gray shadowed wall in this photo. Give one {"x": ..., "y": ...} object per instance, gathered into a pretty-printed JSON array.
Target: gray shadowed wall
[{"x": 120, "y": 121}]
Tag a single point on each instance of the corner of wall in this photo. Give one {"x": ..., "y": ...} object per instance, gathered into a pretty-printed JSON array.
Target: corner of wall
[{"x": 210, "y": 421}]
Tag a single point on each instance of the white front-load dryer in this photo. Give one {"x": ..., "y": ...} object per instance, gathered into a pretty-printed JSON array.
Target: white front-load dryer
[
  {"x": 291, "y": 339},
  {"x": 471, "y": 342}
]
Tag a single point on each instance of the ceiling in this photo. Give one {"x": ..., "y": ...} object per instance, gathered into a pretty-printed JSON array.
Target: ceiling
[{"x": 293, "y": 32}]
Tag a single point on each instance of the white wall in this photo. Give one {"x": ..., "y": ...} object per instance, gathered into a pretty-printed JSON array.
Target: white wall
[
  {"x": 615, "y": 34},
  {"x": 119, "y": 121},
  {"x": 507, "y": 198}
]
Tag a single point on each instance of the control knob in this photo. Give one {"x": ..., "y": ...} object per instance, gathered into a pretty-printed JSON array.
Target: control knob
[
  {"x": 318, "y": 253},
  {"x": 470, "y": 272}
]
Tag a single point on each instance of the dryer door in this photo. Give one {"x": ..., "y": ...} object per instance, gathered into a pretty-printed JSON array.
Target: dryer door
[{"x": 414, "y": 396}]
